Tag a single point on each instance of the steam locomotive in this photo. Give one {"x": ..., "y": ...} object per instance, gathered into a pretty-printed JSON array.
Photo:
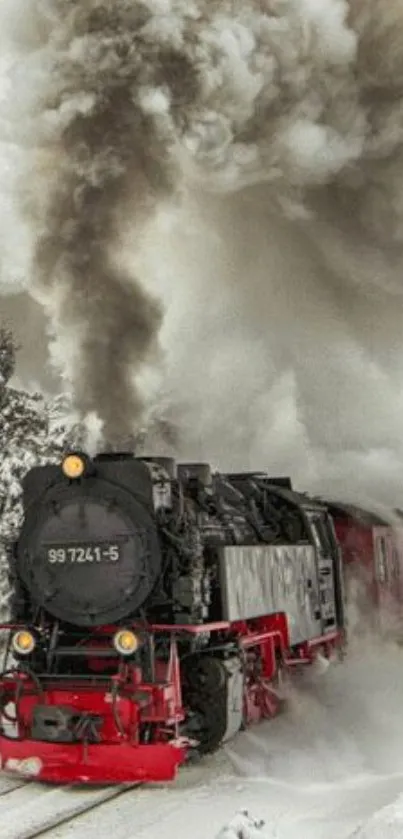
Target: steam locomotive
[{"x": 156, "y": 607}]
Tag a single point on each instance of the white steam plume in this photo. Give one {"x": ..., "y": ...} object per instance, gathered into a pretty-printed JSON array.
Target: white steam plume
[{"x": 281, "y": 123}]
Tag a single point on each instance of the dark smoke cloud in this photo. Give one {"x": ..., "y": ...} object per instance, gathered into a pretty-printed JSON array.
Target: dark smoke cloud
[{"x": 105, "y": 154}]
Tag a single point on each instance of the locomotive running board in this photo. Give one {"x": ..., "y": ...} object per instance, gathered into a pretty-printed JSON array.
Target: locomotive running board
[{"x": 62, "y": 763}]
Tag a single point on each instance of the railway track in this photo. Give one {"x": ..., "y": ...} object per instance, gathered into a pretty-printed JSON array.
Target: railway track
[
  {"x": 30, "y": 811},
  {"x": 7, "y": 785}
]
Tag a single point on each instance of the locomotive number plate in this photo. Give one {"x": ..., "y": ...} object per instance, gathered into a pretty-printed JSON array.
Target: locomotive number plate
[{"x": 78, "y": 554}]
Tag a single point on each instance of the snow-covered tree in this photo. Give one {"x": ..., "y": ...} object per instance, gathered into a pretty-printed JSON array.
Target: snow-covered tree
[
  {"x": 7, "y": 357},
  {"x": 32, "y": 432}
]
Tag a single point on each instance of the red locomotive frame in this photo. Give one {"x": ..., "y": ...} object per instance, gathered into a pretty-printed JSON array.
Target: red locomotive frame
[{"x": 121, "y": 758}]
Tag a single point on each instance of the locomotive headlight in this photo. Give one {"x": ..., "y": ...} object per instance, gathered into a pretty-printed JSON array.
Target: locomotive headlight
[
  {"x": 125, "y": 642},
  {"x": 23, "y": 642},
  {"x": 73, "y": 466}
]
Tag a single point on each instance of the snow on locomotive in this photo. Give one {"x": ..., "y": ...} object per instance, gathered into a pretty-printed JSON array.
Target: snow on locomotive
[{"x": 154, "y": 607}]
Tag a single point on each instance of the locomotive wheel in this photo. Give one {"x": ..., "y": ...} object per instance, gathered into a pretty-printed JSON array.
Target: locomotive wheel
[
  {"x": 205, "y": 674},
  {"x": 207, "y": 723},
  {"x": 205, "y": 693}
]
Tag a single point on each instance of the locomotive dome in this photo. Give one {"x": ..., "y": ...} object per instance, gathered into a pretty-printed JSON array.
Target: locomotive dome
[{"x": 88, "y": 552}]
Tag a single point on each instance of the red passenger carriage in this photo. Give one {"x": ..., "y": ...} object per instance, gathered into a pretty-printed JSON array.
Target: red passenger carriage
[{"x": 372, "y": 551}]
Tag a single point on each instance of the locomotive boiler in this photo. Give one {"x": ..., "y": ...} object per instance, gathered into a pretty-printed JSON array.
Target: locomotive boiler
[{"x": 155, "y": 608}]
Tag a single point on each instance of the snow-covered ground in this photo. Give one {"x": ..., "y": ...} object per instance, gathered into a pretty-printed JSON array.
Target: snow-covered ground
[{"x": 330, "y": 768}]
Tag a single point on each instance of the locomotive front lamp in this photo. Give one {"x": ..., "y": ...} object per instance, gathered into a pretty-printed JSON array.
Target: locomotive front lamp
[
  {"x": 23, "y": 642},
  {"x": 73, "y": 466},
  {"x": 125, "y": 642}
]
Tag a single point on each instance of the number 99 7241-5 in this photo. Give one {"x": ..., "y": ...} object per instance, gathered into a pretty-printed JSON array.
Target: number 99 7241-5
[{"x": 80, "y": 554}]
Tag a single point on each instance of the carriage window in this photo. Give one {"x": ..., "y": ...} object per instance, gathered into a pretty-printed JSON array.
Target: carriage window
[{"x": 382, "y": 560}]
